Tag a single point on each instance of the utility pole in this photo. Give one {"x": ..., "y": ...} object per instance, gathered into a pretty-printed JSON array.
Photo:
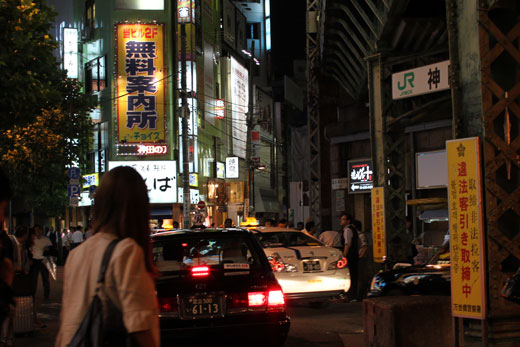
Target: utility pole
[
  {"x": 185, "y": 113},
  {"x": 250, "y": 168}
]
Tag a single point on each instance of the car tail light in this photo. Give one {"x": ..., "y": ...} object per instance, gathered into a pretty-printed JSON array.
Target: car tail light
[
  {"x": 275, "y": 298},
  {"x": 167, "y": 304},
  {"x": 256, "y": 299},
  {"x": 199, "y": 271},
  {"x": 271, "y": 300},
  {"x": 279, "y": 266},
  {"x": 339, "y": 264}
]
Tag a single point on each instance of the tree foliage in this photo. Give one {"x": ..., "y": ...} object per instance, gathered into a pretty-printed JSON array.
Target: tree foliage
[{"x": 44, "y": 123}]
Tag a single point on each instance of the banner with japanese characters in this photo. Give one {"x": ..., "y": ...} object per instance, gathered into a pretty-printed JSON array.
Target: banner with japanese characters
[
  {"x": 468, "y": 296},
  {"x": 378, "y": 224},
  {"x": 160, "y": 177},
  {"x": 140, "y": 83}
]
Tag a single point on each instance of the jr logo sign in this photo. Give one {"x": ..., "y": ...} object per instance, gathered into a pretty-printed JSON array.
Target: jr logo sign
[{"x": 407, "y": 78}]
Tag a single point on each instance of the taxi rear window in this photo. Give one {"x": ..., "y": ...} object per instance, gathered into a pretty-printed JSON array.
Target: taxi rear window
[
  {"x": 286, "y": 239},
  {"x": 177, "y": 254}
]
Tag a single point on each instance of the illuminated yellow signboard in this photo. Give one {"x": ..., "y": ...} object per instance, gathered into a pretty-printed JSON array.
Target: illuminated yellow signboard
[
  {"x": 140, "y": 83},
  {"x": 378, "y": 224},
  {"x": 468, "y": 297}
]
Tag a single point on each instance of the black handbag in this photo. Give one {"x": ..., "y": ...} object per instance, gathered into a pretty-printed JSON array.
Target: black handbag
[
  {"x": 511, "y": 290},
  {"x": 103, "y": 323}
]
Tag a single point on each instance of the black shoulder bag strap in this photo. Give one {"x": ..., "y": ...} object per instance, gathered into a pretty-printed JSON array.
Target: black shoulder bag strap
[
  {"x": 89, "y": 333},
  {"x": 106, "y": 260}
]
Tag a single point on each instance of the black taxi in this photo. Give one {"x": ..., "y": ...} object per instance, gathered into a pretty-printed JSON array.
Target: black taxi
[{"x": 216, "y": 285}]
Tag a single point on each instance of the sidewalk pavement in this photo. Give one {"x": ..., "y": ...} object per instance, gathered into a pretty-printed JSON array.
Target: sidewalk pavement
[{"x": 48, "y": 314}]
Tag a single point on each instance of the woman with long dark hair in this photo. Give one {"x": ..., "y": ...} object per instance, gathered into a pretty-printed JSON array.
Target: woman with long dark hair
[{"x": 121, "y": 211}]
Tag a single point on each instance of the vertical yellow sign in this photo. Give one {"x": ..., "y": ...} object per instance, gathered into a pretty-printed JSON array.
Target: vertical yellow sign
[
  {"x": 140, "y": 83},
  {"x": 468, "y": 297},
  {"x": 378, "y": 224}
]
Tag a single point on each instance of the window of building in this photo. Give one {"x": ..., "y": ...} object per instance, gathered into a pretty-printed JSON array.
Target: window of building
[
  {"x": 253, "y": 31},
  {"x": 95, "y": 75},
  {"x": 90, "y": 18}
]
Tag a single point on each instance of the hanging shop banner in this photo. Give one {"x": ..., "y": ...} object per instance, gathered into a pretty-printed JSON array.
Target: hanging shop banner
[
  {"x": 468, "y": 295},
  {"x": 232, "y": 167},
  {"x": 221, "y": 170},
  {"x": 160, "y": 178},
  {"x": 360, "y": 176},
  {"x": 240, "y": 98},
  {"x": 423, "y": 80},
  {"x": 184, "y": 7},
  {"x": 378, "y": 224},
  {"x": 140, "y": 83}
]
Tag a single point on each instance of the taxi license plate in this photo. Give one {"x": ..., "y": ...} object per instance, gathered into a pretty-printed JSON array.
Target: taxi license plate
[
  {"x": 206, "y": 306},
  {"x": 311, "y": 265}
]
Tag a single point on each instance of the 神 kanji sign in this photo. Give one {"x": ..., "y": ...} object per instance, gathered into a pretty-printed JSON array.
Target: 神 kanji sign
[
  {"x": 468, "y": 296},
  {"x": 422, "y": 80},
  {"x": 140, "y": 83},
  {"x": 378, "y": 224}
]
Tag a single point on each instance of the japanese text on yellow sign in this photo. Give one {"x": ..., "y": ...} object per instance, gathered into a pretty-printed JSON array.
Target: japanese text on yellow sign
[
  {"x": 378, "y": 224},
  {"x": 466, "y": 240},
  {"x": 140, "y": 83}
]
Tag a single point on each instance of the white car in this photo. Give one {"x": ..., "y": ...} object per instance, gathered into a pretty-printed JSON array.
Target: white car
[{"x": 304, "y": 267}]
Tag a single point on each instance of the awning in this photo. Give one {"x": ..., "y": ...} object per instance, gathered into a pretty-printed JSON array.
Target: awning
[
  {"x": 161, "y": 212},
  {"x": 429, "y": 216}
]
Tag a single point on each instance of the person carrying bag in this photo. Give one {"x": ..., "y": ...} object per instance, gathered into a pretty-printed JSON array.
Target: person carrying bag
[{"x": 117, "y": 305}]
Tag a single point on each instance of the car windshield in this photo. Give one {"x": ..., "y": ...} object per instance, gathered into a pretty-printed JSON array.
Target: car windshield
[
  {"x": 180, "y": 253},
  {"x": 286, "y": 239}
]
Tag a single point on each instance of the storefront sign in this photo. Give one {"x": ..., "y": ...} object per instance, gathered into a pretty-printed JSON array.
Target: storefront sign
[
  {"x": 240, "y": 99},
  {"x": 221, "y": 170},
  {"x": 70, "y": 52},
  {"x": 141, "y": 149},
  {"x": 184, "y": 7},
  {"x": 232, "y": 167},
  {"x": 140, "y": 83},
  {"x": 378, "y": 224},
  {"x": 423, "y": 80},
  {"x": 360, "y": 176},
  {"x": 220, "y": 108},
  {"x": 339, "y": 183},
  {"x": 236, "y": 192},
  {"x": 90, "y": 180},
  {"x": 194, "y": 180},
  {"x": 468, "y": 295},
  {"x": 194, "y": 195},
  {"x": 160, "y": 178}
]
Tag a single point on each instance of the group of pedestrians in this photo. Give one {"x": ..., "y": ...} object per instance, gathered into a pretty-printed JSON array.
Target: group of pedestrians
[{"x": 121, "y": 213}]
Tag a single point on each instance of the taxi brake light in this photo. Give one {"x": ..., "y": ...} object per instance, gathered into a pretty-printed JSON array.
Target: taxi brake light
[
  {"x": 200, "y": 271},
  {"x": 341, "y": 263},
  {"x": 256, "y": 298},
  {"x": 275, "y": 298}
]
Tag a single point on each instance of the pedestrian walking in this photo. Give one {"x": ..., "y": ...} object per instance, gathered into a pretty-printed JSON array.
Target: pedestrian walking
[
  {"x": 121, "y": 212},
  {"x": 351, "y": 252},
  {"x": 77, "y": 237},
  {"x": 40, "y": 244}
]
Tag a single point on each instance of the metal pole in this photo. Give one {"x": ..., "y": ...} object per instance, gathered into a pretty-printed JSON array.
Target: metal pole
[
  {"x": 185, "y": 137},
  {"x": 250, "y": 169}
]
